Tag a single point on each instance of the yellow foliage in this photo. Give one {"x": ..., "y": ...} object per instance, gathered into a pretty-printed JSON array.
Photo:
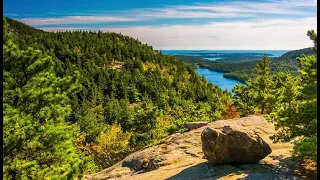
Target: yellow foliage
[
  {"x": 77, "y": 50},
  {"x": 170, "y": 79},
  {"x": 148, "y": 65},
  {"x": 187, "y": 75},
  {"x": 111, "y": 145},
  {"x": 164, "y": 71},
  {"x": 161, "y": 128},
  {"x": 181, "y": 84}
]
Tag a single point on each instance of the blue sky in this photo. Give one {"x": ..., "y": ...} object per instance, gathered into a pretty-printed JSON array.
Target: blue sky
[{"x": 180, "y": 24}]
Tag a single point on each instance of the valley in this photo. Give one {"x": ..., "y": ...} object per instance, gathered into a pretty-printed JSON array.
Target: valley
[{"x": 240, "y": 66}]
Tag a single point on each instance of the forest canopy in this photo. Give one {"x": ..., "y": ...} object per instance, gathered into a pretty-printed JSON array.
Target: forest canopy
[{"x": 78, "y": 102}]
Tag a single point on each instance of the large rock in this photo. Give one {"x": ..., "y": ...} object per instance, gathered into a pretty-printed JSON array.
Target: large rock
[
  {"x": 233, "y": 145},
  {"x": 195, "y": 125}
]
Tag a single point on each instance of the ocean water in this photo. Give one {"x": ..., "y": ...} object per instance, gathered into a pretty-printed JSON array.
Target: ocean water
[
  {"x": 221, "y": 53},
  {"x": 212, "y": 59},
  {"x": 233, "y": 55}
]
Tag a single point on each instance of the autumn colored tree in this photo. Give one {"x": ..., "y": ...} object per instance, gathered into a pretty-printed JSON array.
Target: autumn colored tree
[
  {"x": 230, "y": 112},
  {"x": 110, "y": 146}
]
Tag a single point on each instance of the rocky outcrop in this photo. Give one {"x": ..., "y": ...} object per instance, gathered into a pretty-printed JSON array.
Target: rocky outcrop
[
  {"x": 194, "y": 125},
  {"x": 233, "y": 145},
  {"x": 180, "y": 157}
]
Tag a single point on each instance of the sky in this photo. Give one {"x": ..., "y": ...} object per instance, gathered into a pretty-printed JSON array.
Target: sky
[{"x": 180, "y": 24}]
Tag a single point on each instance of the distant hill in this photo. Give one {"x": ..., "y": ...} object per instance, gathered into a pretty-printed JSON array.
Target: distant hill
[
  {"x": 20, "y": 28},
  {"x": 296, "y": 53}
]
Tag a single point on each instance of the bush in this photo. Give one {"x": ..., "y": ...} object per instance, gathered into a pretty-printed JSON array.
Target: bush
[{"x": 111, "y": 146}]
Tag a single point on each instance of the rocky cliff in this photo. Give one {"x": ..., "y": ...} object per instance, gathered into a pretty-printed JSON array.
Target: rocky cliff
[{"x": 181, "y": 157}]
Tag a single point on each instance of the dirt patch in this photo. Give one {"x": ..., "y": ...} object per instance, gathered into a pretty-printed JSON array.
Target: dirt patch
[{"x": 116, "y": 65}]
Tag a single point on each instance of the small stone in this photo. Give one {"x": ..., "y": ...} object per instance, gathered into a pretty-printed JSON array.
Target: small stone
[{"x": 227, "y": 129}]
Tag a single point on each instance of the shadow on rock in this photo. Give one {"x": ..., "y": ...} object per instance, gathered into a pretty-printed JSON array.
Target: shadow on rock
[
  {"x": 282, "y": 170},
  {"x": 205, "y": 170}
]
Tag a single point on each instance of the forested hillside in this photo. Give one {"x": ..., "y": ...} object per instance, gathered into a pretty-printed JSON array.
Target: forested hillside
[
  {"x": 296, "y": 53},
  {"x": 77, "y": 102}
]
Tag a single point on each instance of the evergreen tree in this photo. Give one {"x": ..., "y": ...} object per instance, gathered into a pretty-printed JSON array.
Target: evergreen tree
[
  {"x": 258, "y": 92},
  {"x": 243, "y": 99},
  {"x": 262, "y": 84}
]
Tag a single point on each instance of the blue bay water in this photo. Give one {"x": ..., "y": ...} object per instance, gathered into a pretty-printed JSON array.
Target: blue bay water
[
  {"x": 212, "y": 59},
  {"x": 217, "y": 78}
]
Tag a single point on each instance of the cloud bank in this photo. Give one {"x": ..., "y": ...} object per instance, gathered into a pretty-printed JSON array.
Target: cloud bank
[
  {"x": 285, "y": 34},
  {"x": 267, "y": 24}
]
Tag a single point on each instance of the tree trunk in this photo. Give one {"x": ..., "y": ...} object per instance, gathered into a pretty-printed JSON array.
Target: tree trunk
[{"x": 262, "y": 108}]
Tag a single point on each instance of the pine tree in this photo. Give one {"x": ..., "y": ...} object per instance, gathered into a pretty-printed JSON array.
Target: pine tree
[
  {"x": 243, "y": 99},
  {"x": 258, "y": 92},
  {"x": 263, "y": 84}
]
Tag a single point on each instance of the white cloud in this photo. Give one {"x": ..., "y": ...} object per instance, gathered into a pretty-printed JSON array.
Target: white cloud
[
  {"x": 74, "y": 20},
  {"x": 268, "y": 7},
  {"x": 135, "y": 16},
  {"x": 261, "y": 31},
  {"x": 175, "y": 13},
  {"x": 234, "y": 9},
  {"x": 255, "y": 34}
]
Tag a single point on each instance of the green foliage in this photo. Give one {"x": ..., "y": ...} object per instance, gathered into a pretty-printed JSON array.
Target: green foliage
[
  {"x": 297, "y": 117},
  {"x": 307, "y": 148},
  {"x": 189, "y": 112},
  {"x": 308, "y": 68},
  {"x": 263, "y": 85},
  {"x": 144, "y": 120},
  {"x": 38, "y": 143},
  {"x": 313, "y": 36},
  {"x": 258, "y": 92},
  {"x": 243, "y": 99}
]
